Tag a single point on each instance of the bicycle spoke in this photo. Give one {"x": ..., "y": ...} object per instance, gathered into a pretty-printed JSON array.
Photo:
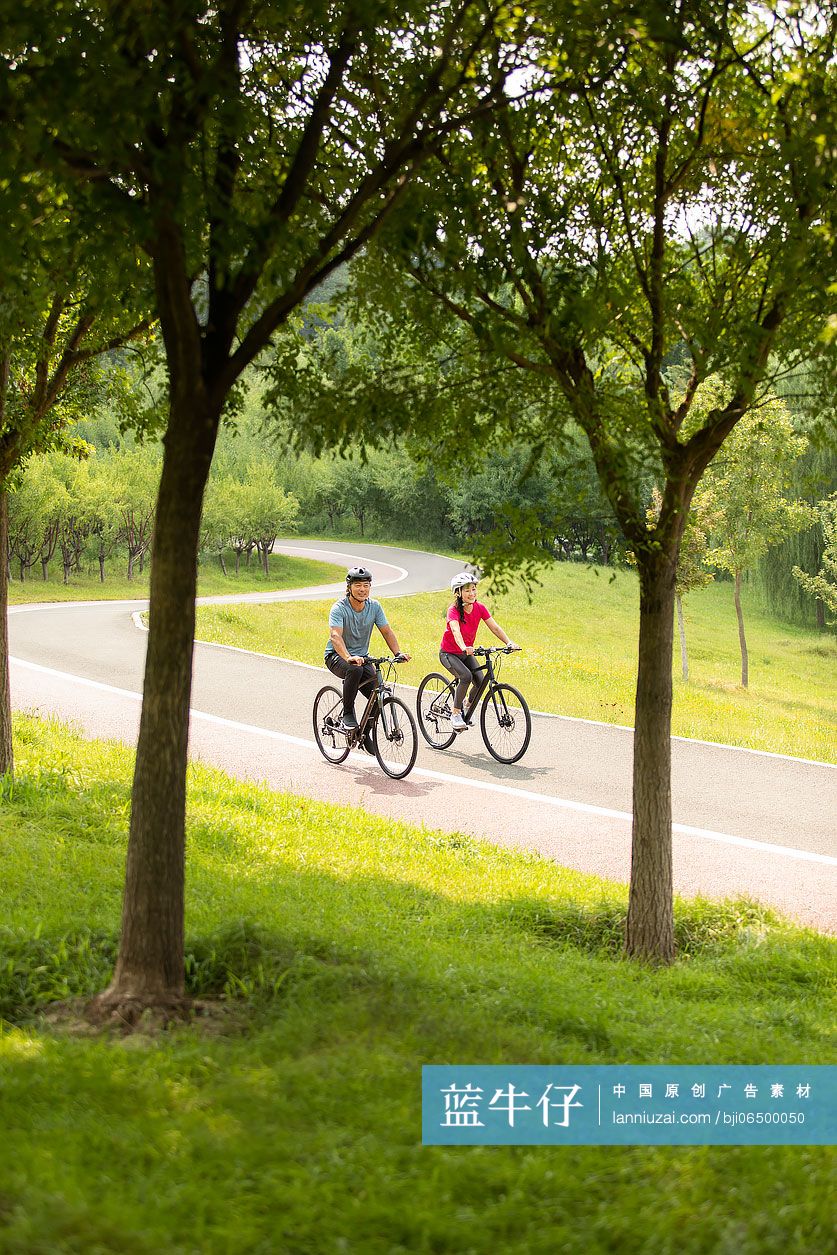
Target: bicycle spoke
[
  {"x": 434, "y": 706},
  {"x": 396, "y": 743},
  {"x": 506, "y": 723},
  {"x": 328, "y": 711}
]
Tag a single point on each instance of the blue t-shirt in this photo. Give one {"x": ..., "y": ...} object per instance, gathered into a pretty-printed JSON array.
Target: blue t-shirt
[{"x": 357, "y": 625}]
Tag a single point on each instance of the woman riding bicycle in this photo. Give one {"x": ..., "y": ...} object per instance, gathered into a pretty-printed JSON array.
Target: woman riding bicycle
[{"x": 456, "y": 651}]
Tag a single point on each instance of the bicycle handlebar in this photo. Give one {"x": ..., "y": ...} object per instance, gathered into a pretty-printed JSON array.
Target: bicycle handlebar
[
  {"x": 386, "y": 658},
  {"x": 485, "y": 650}
]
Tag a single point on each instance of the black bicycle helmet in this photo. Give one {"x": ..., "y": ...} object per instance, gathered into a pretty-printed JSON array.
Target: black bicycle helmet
[{"x": 357, "y": 573}]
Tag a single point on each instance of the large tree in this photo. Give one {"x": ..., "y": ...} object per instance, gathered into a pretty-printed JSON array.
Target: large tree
[
  {"x": 251, "y": 149},
  {"x": 620, "y": 243}
]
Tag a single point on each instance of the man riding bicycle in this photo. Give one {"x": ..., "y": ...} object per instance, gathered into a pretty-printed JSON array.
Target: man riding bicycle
[{"x": 350, "y": 622}]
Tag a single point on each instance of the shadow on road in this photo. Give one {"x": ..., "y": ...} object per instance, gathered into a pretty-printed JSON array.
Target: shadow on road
[{"x": 447, "y": 760}]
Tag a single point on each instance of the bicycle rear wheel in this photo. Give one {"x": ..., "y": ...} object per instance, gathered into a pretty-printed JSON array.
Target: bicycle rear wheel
[
  {"x": 328, "y": 712},
  {"x": 395, "y": 738},
  {"x": 505, "y": 723},
  {"x": 434, "y": 707}
]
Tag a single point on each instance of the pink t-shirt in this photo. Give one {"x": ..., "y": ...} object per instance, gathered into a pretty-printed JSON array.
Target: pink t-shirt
[{"x": 473, "y": 618}]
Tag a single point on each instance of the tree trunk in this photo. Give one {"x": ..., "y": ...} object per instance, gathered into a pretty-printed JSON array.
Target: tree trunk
[
  {"x": 819, "y": 606},
  {"x": 223, "y": 563},
  {"x": 650, "y": 929},
  {"x": 45, "y": 568},
  {"x": 681, "y": 628},
  {"x": 130, "y": 564},
  {"x": 101, "y": 564},
  {"x": 7, "y": 762},
  {"x": 742, "y": 639},
  {"x": 150, "y": 967}
]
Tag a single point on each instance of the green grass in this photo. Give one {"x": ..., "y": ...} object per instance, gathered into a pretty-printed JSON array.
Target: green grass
[
  {"x": 580, "y": 638},
  {"x": 285, "y": 572},
  {"x": 351, "y": 950}
]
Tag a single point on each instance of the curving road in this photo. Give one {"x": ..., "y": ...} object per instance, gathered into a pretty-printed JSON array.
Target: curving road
[{"x": 746, "y": 823}]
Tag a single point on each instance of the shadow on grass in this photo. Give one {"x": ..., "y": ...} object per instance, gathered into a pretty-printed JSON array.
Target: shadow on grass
[
  {"x": 295, "y": 928},
  {"x": 247, "y": 961}
]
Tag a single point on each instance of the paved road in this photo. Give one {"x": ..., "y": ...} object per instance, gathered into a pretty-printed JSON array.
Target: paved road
[{"x": 745, "y": 823}]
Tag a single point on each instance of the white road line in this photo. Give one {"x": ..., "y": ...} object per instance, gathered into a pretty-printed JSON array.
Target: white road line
[
  {"x": 76, "y": 605},
  {"x": 543, "y": 799},
  {"x": 350, "y": 557},
  {"x": 688, "y": 740}
]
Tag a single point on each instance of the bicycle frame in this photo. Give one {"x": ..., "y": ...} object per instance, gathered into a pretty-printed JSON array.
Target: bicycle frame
[
  {"x": 489, "y": 678},
  {"x": 381, "y": 688}
]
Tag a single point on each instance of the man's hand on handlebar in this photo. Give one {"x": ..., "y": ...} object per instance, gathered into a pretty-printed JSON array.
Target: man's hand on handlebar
[{"x": 356, "y": 660}]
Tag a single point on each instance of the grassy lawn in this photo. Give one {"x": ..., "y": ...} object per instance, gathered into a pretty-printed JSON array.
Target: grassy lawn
[
  {"x": 349, "y": 950},
  {"x": 580, "y": 638},
  {"x": 285, "y": 572}
]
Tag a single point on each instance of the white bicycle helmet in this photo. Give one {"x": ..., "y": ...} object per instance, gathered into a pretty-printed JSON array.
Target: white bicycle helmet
[{"x": 462, "y": 579}]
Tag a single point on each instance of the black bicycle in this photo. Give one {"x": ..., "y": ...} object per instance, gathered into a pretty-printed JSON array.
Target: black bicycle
[
  {"x": 386, "y": 727},
  {"x": 505, "y": 722}
]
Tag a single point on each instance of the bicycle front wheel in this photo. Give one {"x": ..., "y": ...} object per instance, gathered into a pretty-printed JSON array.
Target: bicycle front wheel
[
  {"x": 328, "y": 712},
  {"x": 434, "y": 707},
  {"x": 505, "y": 723},
  {"x": 395, "y": 738}
]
